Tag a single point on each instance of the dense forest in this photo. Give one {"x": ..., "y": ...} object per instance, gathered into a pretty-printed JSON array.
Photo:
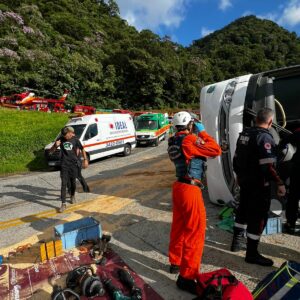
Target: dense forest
[{"x": 86, "y": 47}]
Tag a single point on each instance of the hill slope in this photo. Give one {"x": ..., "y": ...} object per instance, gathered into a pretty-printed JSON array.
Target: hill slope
[
  {"x": 248, "y": 45},
  {"x": 84, "y": 46}
]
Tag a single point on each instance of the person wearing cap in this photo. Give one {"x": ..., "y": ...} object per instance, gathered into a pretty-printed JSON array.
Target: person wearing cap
[
  {"x": 70, "y": 147},
  {"x": 188, "y": 149}
]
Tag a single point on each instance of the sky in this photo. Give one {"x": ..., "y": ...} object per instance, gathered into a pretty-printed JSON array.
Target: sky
[{"x": 188, "y": 20}]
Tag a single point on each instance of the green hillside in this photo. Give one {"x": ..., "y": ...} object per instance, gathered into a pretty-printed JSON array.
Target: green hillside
[
  {"x": 248, "y": 45},
  {"x": 23, "y": 136},
  {"x": 85, "y": 46}
]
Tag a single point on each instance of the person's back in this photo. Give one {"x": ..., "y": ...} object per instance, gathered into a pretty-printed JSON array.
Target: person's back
[{"x": 250, "y": 154}]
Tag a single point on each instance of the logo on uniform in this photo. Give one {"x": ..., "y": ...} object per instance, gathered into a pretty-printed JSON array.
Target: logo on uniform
[
  {"x": 111, "y": 126},
  {"x": 68, "y": 146},
  {"x": 267, "y": 146}
]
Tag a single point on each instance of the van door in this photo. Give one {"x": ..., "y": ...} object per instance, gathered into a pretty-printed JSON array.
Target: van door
[{"x": 91, "y": 140}]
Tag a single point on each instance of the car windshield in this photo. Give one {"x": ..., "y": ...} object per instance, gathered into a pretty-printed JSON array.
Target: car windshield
[
  {"x": 78, "y": 129},
  {"x": 146, "y": 124}
]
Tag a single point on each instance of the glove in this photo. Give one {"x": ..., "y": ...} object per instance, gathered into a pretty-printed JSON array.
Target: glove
[{"x": 199, "y": 127}]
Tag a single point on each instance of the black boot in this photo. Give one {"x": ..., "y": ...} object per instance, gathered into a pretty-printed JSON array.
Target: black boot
[
  {"x": 239, "y": 241},
  {"x": 174, "y": 269},
  {"x": 188, "y": 285},
  {"x": 253, "y": 257}
]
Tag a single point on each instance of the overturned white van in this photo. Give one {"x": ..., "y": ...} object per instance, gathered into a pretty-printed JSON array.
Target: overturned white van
[
  {"x": 229, "y": 106},
  {"x": 101, "y": 135}
]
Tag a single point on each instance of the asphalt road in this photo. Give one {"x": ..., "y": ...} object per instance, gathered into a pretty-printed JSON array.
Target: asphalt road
[
  {"x": 37, "y": 192},
  {"x": 132, "y": 199}
]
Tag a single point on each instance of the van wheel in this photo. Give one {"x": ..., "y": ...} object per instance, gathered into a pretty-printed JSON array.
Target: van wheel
[
  {"x": 127, "y": 150},
  {"x": 155, "y": 143}
]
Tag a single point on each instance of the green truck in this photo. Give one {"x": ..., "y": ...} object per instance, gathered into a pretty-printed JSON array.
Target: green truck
[{"x": 151, "y": 128}]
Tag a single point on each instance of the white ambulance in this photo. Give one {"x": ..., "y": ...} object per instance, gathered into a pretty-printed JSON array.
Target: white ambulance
[
  {"x": 101, "y": 135},
  {"x": 229, "y": 106}
]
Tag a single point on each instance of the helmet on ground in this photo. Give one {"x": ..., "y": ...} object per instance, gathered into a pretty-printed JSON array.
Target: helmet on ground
[{"x": 181, "y": 118}]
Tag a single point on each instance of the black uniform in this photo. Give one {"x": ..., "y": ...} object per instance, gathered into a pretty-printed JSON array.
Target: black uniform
[
  {"x": 254, "y": 164},
  {"x": 69, "y": 165},
  {"x": 294, "y": 190}
]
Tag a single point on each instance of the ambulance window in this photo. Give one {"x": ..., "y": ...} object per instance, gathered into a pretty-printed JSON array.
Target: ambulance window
[
  {"x": 91, "y": 132},
  {"x": 79, "y": 129}
]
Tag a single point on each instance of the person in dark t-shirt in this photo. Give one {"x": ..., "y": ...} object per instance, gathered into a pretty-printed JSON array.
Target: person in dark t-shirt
[{"x": 70, "y": 147}]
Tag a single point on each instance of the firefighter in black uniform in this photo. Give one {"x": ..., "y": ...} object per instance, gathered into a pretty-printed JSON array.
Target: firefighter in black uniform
[{"x": 254, "y": 164}]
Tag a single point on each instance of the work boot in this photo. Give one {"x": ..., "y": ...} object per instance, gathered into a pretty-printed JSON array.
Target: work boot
[
  {"x": 238, "y": 244},
  {"x": 174, "y": 269},
  {"x": 290, "y": 228},
  {"x": 253, "y": 257},
  {"x": 239, "y": 241},
  {"x": 188, "y": 285},
  {"x": 72, "y": 199},
  {"x": 62, "y": 208}
]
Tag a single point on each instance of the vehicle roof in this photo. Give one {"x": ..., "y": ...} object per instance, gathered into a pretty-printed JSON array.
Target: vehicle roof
[{"x": 90, "y": 118}]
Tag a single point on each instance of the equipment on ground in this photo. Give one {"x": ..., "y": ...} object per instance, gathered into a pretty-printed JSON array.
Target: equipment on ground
[
  {"x": 113, "y": 291},
  {"x": 85, "y": 281},
  {"x": 220, "y": 285},
  {"x": 127, "y": 279},
  {"x": 63, "y": 294},
  {"x": 99, "y": 249},
  {"x": 283, "y": 284}
]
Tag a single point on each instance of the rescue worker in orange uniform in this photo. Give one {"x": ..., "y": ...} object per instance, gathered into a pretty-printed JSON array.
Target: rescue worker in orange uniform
[{"x": 188, "y": 151}]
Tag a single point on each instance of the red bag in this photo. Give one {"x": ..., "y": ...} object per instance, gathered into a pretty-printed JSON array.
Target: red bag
[{"x": 221, "y": 285}]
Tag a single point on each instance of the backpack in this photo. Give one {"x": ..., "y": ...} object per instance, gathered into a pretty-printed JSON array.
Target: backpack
[
  {"x": 283, "y": 284},
  {"x": 221, "y": 285}
]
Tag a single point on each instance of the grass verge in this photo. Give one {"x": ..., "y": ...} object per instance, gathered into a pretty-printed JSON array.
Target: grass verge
[{"x": 23, "y": 136}]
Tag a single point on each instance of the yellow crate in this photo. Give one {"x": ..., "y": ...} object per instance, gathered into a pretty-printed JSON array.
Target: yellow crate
[
  {"x": 50, "y": 249},
  {"x": 58, "y": 246},
  {"x": 43, "y": 252}
]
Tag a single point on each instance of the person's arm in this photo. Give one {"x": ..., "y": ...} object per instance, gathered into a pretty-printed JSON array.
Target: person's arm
[
  {"x": 85, "y": 162},
  {"x": 56, "y": 144},
  {"x": 85, "y": 159},
  {"x": 202, "y": 145},
  {"x": 267, "y": 160}
]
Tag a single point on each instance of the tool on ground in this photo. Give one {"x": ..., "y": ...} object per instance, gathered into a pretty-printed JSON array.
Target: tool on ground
[
  {"x": 98, "y": 251},
  {"x": 113, "y": 291},
  {"x": 84, "y": 280},
  {"x": 22, "y": 248},
  {"x": 63, "y": 294},
  {"x": 127, "y": 279}
]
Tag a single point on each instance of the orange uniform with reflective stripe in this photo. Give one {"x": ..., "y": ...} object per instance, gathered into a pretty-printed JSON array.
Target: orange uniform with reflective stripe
[{"x": 189, "y": 216}]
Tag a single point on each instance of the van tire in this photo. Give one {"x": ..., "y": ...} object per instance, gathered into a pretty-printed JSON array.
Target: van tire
[
  {"x": 155, "y": 143},
  {"x": 127, "y": 150}
]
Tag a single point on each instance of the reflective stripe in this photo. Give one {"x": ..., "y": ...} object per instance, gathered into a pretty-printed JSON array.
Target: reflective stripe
[
  {"x": 238, "y": 225},
  {"x": 253, "y": 236},
  {"x": 269, "y": 160},
  {"x": 286, "y": 288}
]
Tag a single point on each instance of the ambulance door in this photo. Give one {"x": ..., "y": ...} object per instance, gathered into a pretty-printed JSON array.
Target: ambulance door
[{"x": 92, "y": 141}]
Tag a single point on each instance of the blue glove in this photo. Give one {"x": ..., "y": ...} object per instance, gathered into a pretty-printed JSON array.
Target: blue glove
[{"x": 199, "y": 127}]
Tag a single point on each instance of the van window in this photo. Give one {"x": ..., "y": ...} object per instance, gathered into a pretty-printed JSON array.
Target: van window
[
  {"x": 147, "y": 124},
  {"x": 91, "y": 132},
  {"x": 78, "y": 129}
]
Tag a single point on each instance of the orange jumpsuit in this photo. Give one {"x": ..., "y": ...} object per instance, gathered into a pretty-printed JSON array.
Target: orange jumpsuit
[{"x": 189, "y": 216}]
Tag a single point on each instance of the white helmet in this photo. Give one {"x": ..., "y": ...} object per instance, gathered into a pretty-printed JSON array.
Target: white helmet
[{"x": 181, "y": 118}]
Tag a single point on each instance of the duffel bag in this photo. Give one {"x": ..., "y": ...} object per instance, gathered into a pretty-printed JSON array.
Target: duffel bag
[
  {"x": 283, "y": 284},
  {"x": 221, "y": 285}
]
